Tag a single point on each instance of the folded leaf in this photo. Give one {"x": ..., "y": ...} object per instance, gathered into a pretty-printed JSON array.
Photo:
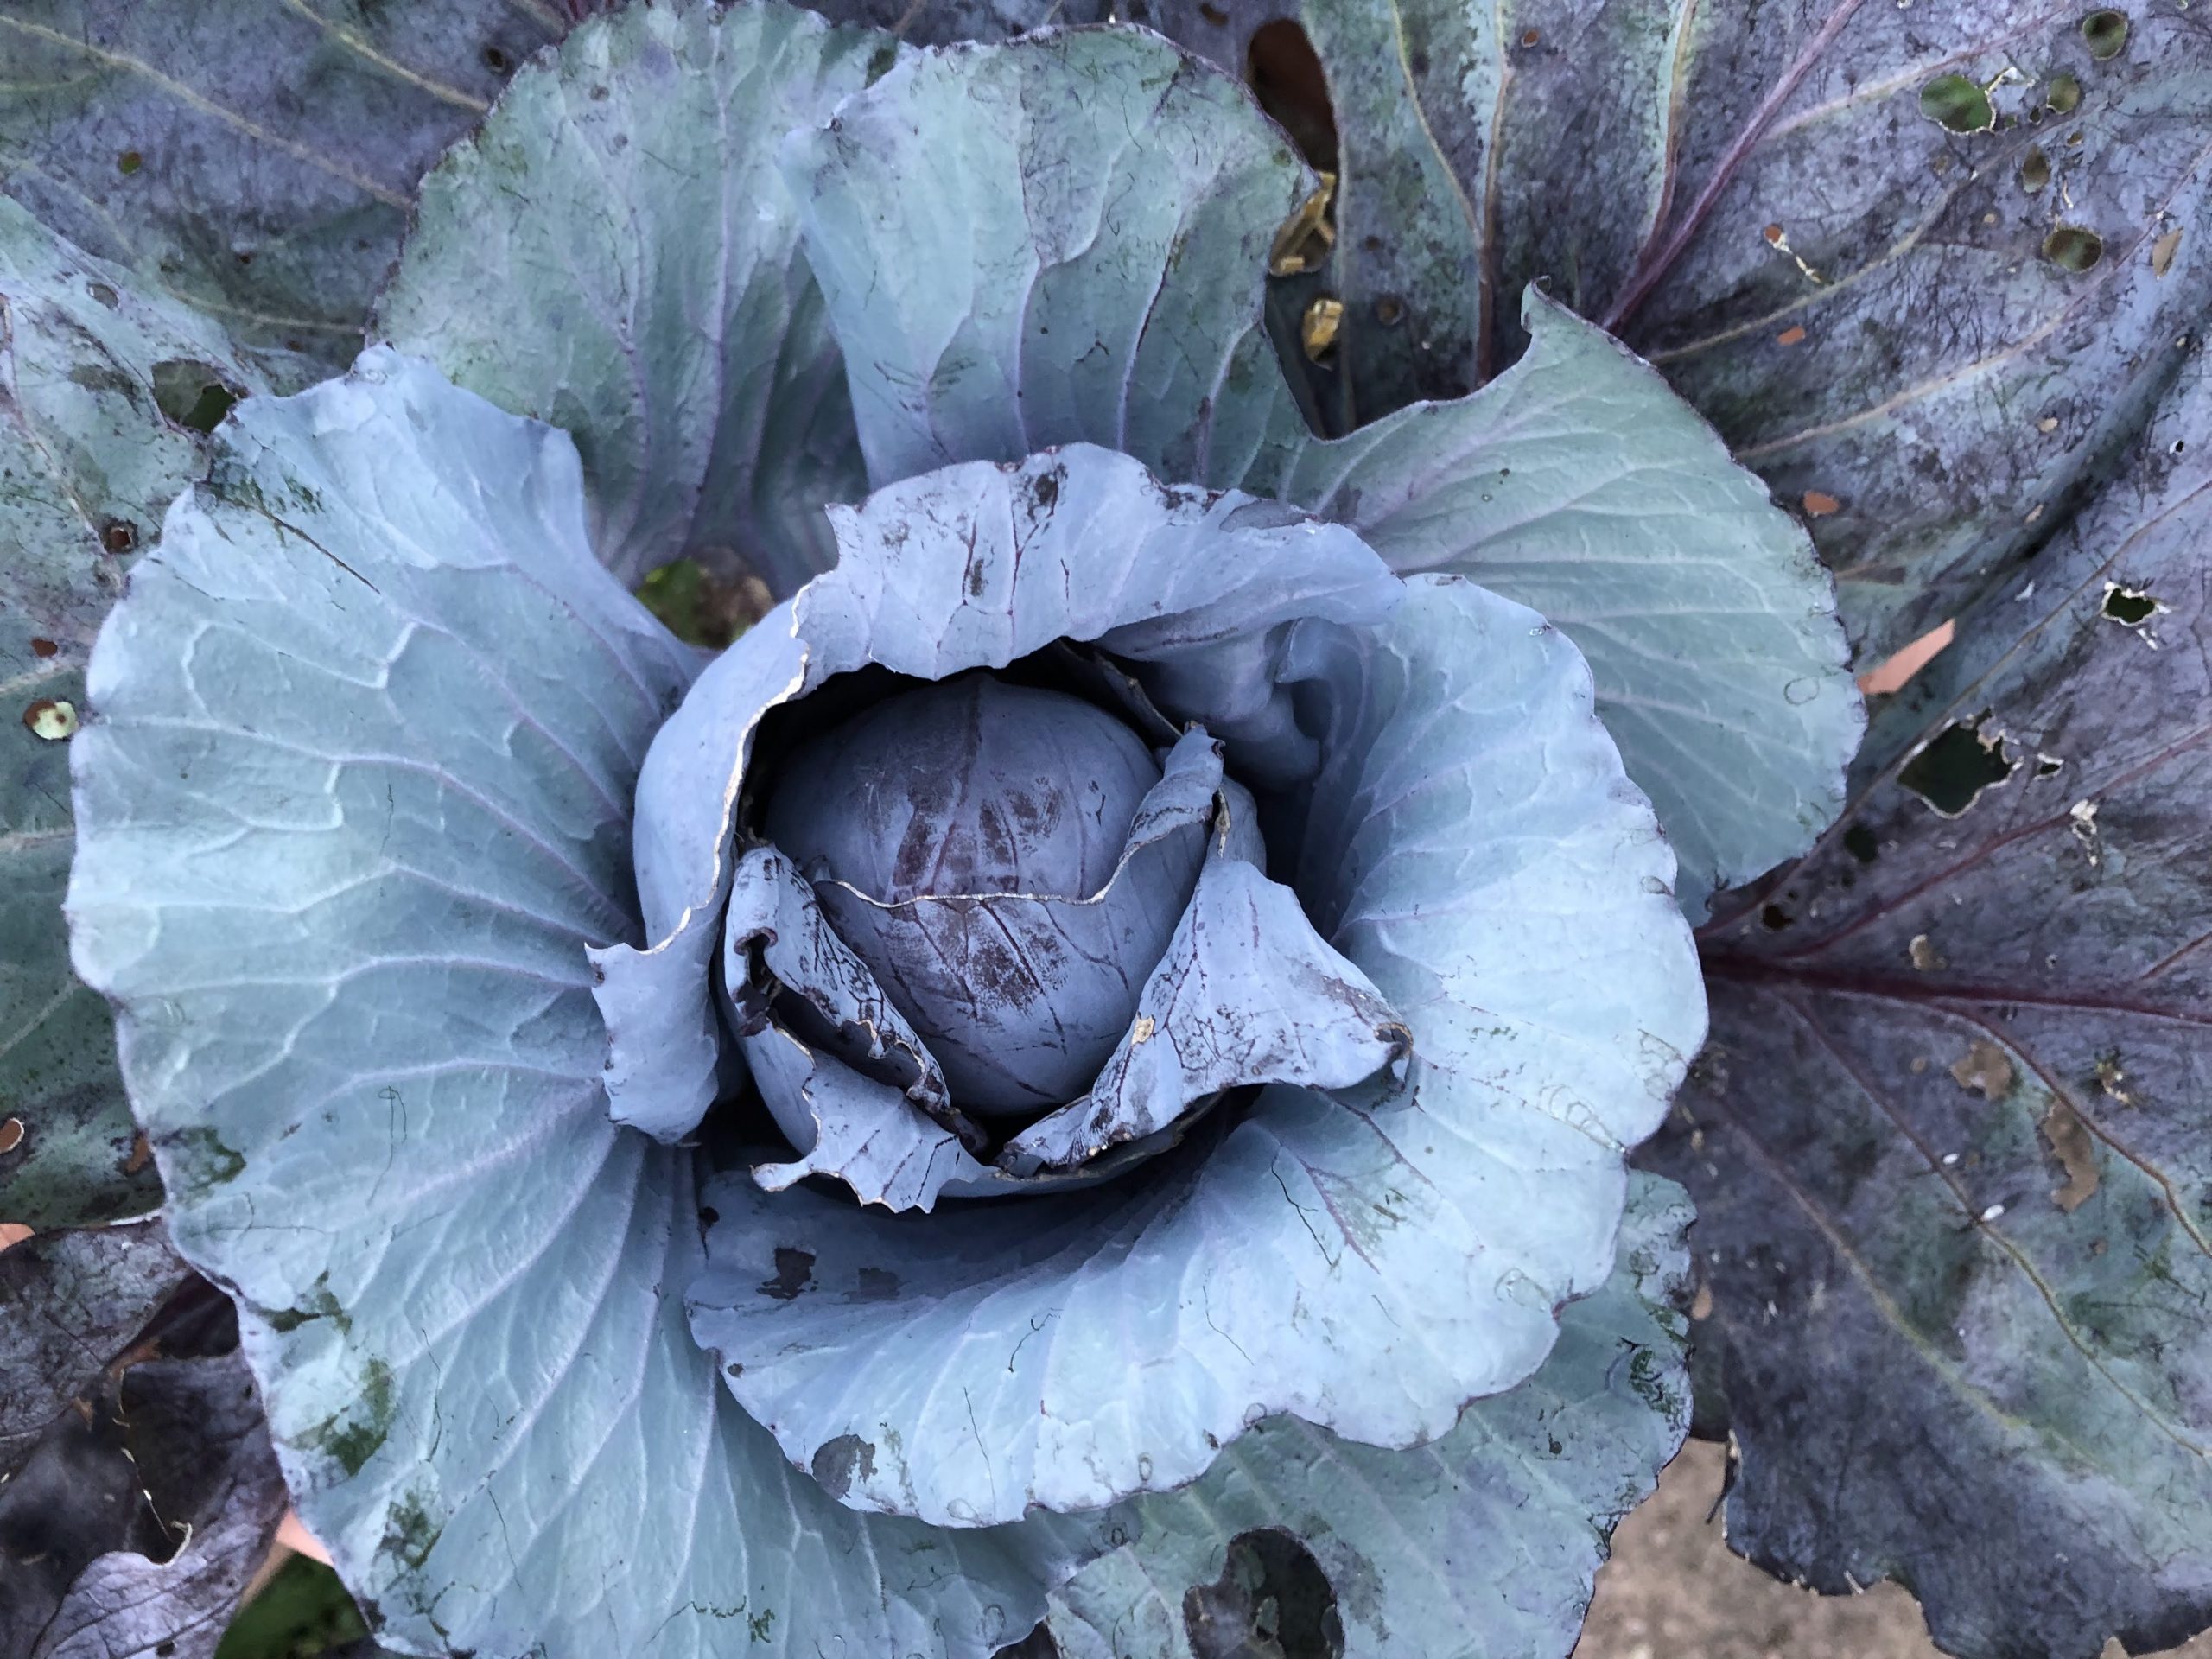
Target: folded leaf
[
  {"x": 1246, "y": 993},
  {"x": 1578, "y": 485}
]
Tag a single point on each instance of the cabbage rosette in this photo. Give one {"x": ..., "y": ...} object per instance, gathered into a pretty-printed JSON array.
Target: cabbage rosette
[{"x": 1128, "y": 989}]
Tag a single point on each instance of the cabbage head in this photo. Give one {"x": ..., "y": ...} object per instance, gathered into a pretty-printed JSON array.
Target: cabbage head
[{"x": 1078, "y": 1071}]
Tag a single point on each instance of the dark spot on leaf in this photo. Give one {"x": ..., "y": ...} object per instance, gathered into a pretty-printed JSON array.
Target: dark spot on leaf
[
  {"x": 1271, "y": 1600},
  {"x": 496, "y": 60},
  {"x": 192, "y": 394},
  {"x": 1286, "y": 76},
  {"x": 2048, "y": 765},
  {"x": 120, "y": 536},
  {"x": 129, "y": 162},
  {"x": 11, "y": 1134},
  {"x": 1529, "y": 36},
  {"x": 1038, "y": 1644},
  {"x": 2070, "y": 247},
  {"x": 356, "y": 1438},
  {"x": 1389, "y": 311},
  {"x": 1819, "y": 504},
  {"x": 837, "y": 1461},
  {"x": 1956, "y": 105},
  {"x": 2035, "y": 169},
  {"x": 876, "y": 1285},
  {"x": 44, "y": 648},
  {"x": 708, "y": 1214},
  {"x": 1774, "y": 918},
  {"x": 2063, "y": 95},
  {"x": 794, "y": 1272},
  {"x": 1859, "y": 841},
  {"x": 2129, "y": 607},
  {"x": 1953, "y": 770},
  {"x": 1214, "y": 16},
  {"x": 2105, "y": 32}
]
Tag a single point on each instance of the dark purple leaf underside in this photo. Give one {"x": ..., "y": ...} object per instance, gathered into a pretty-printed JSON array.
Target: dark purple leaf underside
[{"x": 1949, "y": 1144}]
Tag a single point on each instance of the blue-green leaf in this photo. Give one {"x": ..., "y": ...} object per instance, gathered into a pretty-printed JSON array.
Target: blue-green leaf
[
  {"x": 615, "y": 251},
  {"x": 1480, "y": 1545},
  {"x": 1577, "y": 484},
  {"x": 1059, "y": 241},
  {"x": 356, "y": 797},
  {"x": 106, "y": 391}
]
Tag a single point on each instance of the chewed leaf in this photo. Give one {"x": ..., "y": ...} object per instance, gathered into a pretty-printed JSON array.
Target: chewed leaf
[
  {"x": 1578, "y": 484},
  {"x": 642, "y": 287},
  {"x": 850, "y": 1127},
  {"x": 1752, "y": 198},
  {"x": 773, "y": 912},
  {"x": 88, "y": 460},
  {"x": 1481, "y": 1545},
  {"x": 177, "y": 140},
  {"x": 357, "y": 797},
  {"x": 1951, "y": 1155},
  {"x": 1322, "y": 1249}
]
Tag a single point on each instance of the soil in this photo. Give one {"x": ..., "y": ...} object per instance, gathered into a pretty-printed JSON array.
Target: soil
[{"x": 1673, "y": 1591}]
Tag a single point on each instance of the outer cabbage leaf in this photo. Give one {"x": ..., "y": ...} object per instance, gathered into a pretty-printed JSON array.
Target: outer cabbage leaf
[
  {"x": 102, "y": 420},
  {"x": 1055, "y": 242},
  {"x": 1949, "y": 1146},
  {"x": 1863, "y": 301},
  {"x": 184, "y": 1440},
  {"x": 615, "y": 251},
  {"x": 72, "y": 1301},
  {"x": 138, "y": 1490},
  {"x": 1481, "y": 1545},
  {"x": 254, "y": 157},
  {"x": 1367, "y": 1263},
  {"x": 357, "y": 796},
  {"x": 986, "y": 314}
]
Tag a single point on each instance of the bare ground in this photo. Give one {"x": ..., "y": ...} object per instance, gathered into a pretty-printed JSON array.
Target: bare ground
[{"x": 1673, "y": 1591}]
